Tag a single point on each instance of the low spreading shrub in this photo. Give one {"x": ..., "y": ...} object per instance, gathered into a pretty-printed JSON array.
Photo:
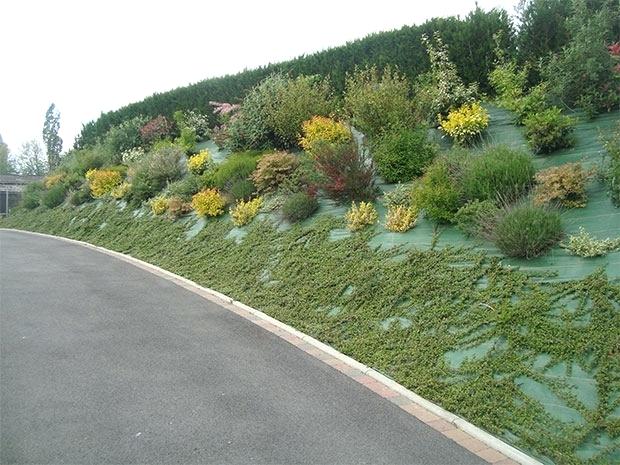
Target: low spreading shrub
[
  {"x": 527, "y": 231},
  {"x": 401, "y": 218},
  {"x": 402, "y": 154},
  {"x": 243, "y": 189},
  {"x": 437, "y": 193},
  {"x": 178, "y": 207},
  {"x": 273, "y": 169},
  {"x": 348, "y": 175},
  {"x": 102, "y": 181},
  {"x": 360, "y": 216},
  {"x": 54, "y": 196},
  {"x": 243, "y": 212},
  {"x": 466, "y": 123},
  {"x": 323, "y": 129},
  {"x": 299, "y": 206},
  {"x": 208, "y": 202},
  {"x": 564, "y": 184},
  {"x": 159, "y": 205},
  {"x": 585, "y": 245},
  {"x": 472, "y": 217},
  {"x": 549, "y": 130},
  {"x": 497, "y": 172},
  {"x": 197, "y": 164}
]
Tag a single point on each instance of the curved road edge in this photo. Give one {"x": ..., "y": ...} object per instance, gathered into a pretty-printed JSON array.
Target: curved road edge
[{"x": 464, "y": 433}]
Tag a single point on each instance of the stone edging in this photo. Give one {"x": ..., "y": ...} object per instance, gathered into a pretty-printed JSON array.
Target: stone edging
[{"x": 464, "y": 433}]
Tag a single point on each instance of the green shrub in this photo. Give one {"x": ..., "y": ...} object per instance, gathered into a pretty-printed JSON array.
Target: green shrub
[
  {"x": 527, "y": 231},
  {"x": 80, "y": 196},
  {"x": 81, "y": 161},
  {"x": 549, "y": 130},
  {"x": 346, "y": 171},
  {"x": 437, "y": 193},
  {"x": 508, "y": 83},
  {"x": 400, "y": 196},
  {"x": 377, "y": 101},
  {"x": 273, "y": 169},
  {"x": 237, "y": 167},
  {"x": 155, "y": 171},
  {"x": 54, "y": 196},
  {"x": 299, "y": 206},
  {"x": 611, "y": 171},
  {"x": 243, "y": 189},
  {"x": 535, "y": 101},
  {"x": 402, "y": 154},
  {"x": 474, "y": 215},
  {"x": 124, "y": 137},
  {"x": 31, "y": 197},
  {"x": 497, "y": 172}
]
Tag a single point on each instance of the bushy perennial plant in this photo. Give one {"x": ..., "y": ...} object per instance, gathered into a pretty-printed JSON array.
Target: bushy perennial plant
[
  {"x": 585, "y": 245},
  {"x": 323, "y": 129},
  {"x": 401, "y": 218},
  {"x": 466, "y": 123},
  {"x": 564, "y": 184},
  {"x": 243, "y": 212},
  {"x": 360, "y": 216},
  {"x": 102, "y": 181},
  {"x": 199, "y": 162},
  {"x": 208, "y": 202}
]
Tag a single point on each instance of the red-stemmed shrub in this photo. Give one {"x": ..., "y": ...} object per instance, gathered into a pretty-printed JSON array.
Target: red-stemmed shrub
[{"x": 156, "y": 129}]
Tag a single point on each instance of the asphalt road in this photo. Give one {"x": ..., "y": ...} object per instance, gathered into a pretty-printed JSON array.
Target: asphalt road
[{"x": 102, "y": 362}]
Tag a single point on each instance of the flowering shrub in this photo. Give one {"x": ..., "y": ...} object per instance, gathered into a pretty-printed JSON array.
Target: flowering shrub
[
  {"x": 53, "y": 179},
  {"x": 159, "y": 205},
  {"x": 273, "y": 169},
  {"x": 585, "y": 245},
  {"x": 208, "y": 202},
  {"x": 565, "y": 184},
  {"x": 196, "y": 122},
  {"x": 102, "y": 181},
  {"x": 132, "y": 155},
  {"x": 198, "y": 163},
  {"x": 360, "y": 216},
  {"x": 121, "y": 190},
  {"x": 466, "y": 123},
  {"x": 347, "y": 173},
  {"x": 321, "y": 128},
  {"x": 401, "y": 218},
  {"x": 243, "y": 212},
  {"x": 549, "y": 130},
  {"x": 156, "y": 129}
]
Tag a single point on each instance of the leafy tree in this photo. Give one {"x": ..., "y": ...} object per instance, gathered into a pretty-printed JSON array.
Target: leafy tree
[
  {"x": 30, "y": 159},
  {"x": 7, "y": 165},
  {"x": 53, "y": 142}
]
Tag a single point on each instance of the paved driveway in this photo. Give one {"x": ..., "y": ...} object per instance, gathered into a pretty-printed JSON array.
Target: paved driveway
[{"x": 102, "y": 362}]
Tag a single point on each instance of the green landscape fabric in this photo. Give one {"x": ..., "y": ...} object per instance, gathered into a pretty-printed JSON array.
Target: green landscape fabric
[{"x": 527, "y": 349}]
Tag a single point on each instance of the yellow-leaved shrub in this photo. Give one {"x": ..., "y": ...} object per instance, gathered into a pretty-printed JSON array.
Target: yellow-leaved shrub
[
  {"x": 102, "y": 181},
  {"x": 121, "y": 190},
  {"x": 244, "y": 212},
  {"x": 53, "y": 179},
  {"x": 208, "y": 202},
  {"x": 465, "y": 123},
  {"x": 198, "y": 163},
  {"x": 401, "y": 218},
  {"x": 323, "y": 129},
  {"x": 361, "y": 215},
  {"x": 159, "y": 205}
]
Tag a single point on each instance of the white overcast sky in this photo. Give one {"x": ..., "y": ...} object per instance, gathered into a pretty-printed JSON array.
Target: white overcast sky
[{"x": 92, "y": 56}]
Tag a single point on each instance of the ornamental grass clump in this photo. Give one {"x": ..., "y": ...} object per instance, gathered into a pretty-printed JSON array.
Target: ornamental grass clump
[
  {"x": 401, "y": 218},
  {"x": 585, "y": 245},
  {"x": 197, "y": 164},
  {"x": 102, "y": 181},
  {"x": 244, "y": 212},
  {"x": 360, "y": 216},
  {"x": 208, "y": 202},
  {"x": 465, "y": 124},
  {"x": 527, "y": 231},
  {"x": 564, "y": 184},
  {"x": 323, "y": 129},
  {"x": 159, "y": 205}
]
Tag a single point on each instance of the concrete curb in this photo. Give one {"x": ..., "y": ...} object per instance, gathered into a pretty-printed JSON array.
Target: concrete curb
[{"x": 464, "y": 433}]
